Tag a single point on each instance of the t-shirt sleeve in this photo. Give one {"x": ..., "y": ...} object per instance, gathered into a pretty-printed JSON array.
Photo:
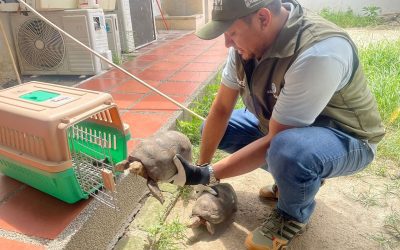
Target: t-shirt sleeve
[
  {"x": 229, "y": 75},
  {"x": 311, "y": 81}
]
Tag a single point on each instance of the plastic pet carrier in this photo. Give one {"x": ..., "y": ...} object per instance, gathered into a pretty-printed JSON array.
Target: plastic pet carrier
[{"x": 61, "y": 140}]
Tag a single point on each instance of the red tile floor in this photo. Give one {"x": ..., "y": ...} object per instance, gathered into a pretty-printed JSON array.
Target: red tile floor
[{"x": 176, "y": 65}]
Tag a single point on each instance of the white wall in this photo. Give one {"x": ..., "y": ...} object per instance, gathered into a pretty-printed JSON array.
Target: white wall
[
  {"x": 387, "y": 6},
  {"x": 156, "y": 11}
]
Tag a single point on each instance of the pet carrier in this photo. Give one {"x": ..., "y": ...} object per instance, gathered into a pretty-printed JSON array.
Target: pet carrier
[{"x": 61, "y": 140}]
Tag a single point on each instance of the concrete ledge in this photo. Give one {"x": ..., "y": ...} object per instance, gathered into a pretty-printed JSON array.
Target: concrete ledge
[
  {"x": 192, "y": 22},
  {"x": 151, "y": 214},
  {"x": 98, "y": 226}
]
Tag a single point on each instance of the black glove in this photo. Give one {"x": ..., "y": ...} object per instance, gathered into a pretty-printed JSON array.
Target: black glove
[{"x": 189, "y": 174}]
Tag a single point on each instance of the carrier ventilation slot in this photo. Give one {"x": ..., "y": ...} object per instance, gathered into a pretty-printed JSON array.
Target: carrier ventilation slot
[
  {"x": 23, "y": 142},
  {"x": 93, "y": 136},
  {"x": 104, "y": 116}
]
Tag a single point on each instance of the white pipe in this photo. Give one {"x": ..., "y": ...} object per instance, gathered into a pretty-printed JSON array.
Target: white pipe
[
  {"x": 10, "y": 52},
  {"x": 108, "y": 61}
]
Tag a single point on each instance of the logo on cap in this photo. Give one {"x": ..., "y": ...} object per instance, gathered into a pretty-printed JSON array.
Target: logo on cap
[
  {"x": 218, "y": 5},
  {"x": 251, "y": 3}
]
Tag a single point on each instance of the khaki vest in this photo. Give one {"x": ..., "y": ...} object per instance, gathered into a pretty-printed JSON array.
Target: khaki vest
[{"x": 353, "y": 109}]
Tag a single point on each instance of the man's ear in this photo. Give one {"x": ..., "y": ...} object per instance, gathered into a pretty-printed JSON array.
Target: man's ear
[{"x": 264, "y": 16}]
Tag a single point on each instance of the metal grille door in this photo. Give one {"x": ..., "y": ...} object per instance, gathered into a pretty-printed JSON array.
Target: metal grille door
[{"x": 142, "y": 22}]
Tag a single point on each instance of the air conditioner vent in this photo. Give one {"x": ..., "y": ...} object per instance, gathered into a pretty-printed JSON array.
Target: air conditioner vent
[{"x": 40, "y": 45}]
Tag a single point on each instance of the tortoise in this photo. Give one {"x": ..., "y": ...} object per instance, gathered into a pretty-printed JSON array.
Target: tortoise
[
  {"x": 153, "y": 159},
  {"x": 210, "y": 209}
]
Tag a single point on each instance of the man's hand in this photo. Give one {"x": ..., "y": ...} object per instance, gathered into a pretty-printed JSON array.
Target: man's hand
[{"x": 189, "y": 174}]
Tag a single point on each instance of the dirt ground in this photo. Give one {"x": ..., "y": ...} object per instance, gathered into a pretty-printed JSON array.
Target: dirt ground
[{"x": 350, "y": 214}]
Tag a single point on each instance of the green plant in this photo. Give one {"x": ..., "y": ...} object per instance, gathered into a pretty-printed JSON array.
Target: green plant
[
  {"x": 167, "y": 236},
  {"x": 392, "y": 225},
  {"x": 185, "y": 193},
  {"x": 372, "y": 13},
  {"x": 116, "y": 59},
  {"x": 202, "y": 106},
  {"x": 392, "y": 188},
  {"x": 380, "y": 61},
  {"x": 383, "y": 240},
  {"x": 347, "y": 19},
  {"x": 366, "y": 198}
]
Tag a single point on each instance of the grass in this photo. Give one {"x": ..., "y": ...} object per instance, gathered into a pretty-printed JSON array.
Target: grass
[
  {"x": 185, "y": 193},
  {"x": 367, "y": 198},
  {"x": 116, "y": 59},
  {"x": 392, "y": 225},
  {"x": 347, "y": 19},
  {"x": 384, "y": 241},
  {"x": 167, "y": 236},
  {"x": 192, "y": 128},
  {"x": 380, "y": 62}
]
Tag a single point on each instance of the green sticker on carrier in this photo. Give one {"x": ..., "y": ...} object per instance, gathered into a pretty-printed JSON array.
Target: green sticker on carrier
[{"x": 39, "y": 96}]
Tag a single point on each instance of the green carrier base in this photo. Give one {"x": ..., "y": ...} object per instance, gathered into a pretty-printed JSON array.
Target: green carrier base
[{"x": 63, "y": 185}]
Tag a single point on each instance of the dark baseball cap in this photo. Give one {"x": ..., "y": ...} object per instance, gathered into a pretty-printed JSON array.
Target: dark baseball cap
[{"x": 225, "y": 12}]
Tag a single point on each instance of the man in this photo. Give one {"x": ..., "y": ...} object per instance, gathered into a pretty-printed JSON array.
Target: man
[{"x": 309, "y": 115}]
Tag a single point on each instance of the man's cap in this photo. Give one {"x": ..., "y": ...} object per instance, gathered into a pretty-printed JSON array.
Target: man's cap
[{"x": 225, "y": 12}]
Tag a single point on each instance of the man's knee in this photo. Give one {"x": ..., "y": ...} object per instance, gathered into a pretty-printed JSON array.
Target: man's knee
[{"x": 288, "y": 154}]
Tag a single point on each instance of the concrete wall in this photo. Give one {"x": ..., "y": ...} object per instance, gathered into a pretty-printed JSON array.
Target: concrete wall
[
  {"x": 182, "y": 7},
  {"x": 387, "y": 6}
]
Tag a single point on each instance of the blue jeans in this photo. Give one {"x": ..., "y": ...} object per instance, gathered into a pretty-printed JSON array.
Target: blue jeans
[{"x": 299, "y": 159}]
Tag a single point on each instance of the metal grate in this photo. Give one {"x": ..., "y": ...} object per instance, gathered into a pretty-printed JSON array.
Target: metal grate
[{"x": 88, "y": 163}]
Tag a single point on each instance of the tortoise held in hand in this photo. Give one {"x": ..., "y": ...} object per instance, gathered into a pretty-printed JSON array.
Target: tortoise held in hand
[
  {"x": 153, "y": 159},
  {"x": 210, "y": 209}
]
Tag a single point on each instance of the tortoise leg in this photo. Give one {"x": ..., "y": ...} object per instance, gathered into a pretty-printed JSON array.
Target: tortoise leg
[
  {"x": 121, "y": 166},
  {"x": 155, "y": 190},
  {"x": 194, "y": 222},
  {"x": 210, "y": 227}
]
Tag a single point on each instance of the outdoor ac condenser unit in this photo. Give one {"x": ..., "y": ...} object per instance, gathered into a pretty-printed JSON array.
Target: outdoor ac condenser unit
[
  {"x": 122, "y": 9},
  {"x": 43, "y": 50},
  {"x": 114, "y": 42}
]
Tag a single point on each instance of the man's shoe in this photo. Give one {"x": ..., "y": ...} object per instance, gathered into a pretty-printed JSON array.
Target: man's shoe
[
  {"x": 271, "y": 192},
  {"x": 276, "y": 233}
]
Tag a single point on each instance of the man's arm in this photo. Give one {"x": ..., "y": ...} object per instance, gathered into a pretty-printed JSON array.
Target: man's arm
[
  {"x": 250, "y": 157},
  {"x": 216, "y": 122}
]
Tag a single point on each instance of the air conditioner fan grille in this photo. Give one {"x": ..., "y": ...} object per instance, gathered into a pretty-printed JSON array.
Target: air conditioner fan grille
[{"x": 40, "y": 45}]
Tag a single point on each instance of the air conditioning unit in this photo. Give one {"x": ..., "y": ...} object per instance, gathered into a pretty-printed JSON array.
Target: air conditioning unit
[
  {"x": 114, "y": 42},
  {"x": 107, "y": 5},
  {"x": 122, "y": 9},
  {"x": 40, "y": 5},
  {"x": 43, "y": 50}
]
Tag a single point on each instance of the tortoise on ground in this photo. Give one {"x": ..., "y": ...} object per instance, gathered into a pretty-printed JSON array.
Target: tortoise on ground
[
  {"x": 210, "y": 209},
  {"x": 153, "y": 158}
]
